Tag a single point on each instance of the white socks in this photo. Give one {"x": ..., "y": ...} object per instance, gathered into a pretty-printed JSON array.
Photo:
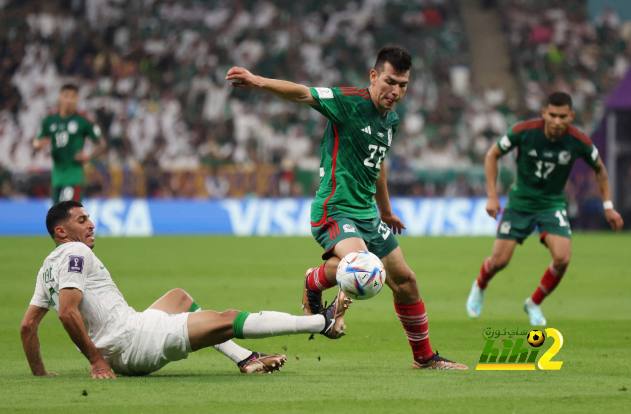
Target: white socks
[
  {"x": 233, "y": 351},
  {"x": 265, "y": 324}
]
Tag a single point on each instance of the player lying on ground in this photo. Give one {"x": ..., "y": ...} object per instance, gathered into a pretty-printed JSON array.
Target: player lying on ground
[
  {"x": 547, "y": 149},
  {"x": 113, "y": 335},
  {"x": 344, "y": 218},
  {"x": 67, "y": 129}
]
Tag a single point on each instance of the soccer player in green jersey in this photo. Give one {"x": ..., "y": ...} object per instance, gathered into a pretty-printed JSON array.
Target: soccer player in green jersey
[
  {"x": 547, "y": 149},
  {"x": 67, "y": 129},
  {"x": 344, "y": 219}
]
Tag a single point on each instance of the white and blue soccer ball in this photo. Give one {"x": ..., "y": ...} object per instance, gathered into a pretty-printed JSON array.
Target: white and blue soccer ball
[{"x": 360, "y": 275}]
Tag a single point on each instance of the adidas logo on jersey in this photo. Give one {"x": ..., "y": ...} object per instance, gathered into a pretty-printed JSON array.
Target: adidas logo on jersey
[
  {"x": 533, "y": 153},
  {"x": 367, "y": 130}
]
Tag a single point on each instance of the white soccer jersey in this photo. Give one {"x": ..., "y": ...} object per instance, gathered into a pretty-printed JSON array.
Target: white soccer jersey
[{"x": 105, "y": 313}]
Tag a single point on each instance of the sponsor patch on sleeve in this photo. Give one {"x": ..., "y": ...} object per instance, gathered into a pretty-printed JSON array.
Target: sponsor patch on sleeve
[
  {"x": 76, "y": 264},
  {"x": 324, "y": 93},
  {"x": 505, "y": 143},
  {"x": 594, "y": 154}
]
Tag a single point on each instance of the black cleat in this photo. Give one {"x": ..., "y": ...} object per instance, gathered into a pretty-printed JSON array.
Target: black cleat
[
  {"x": 437, "y": 362},
  {"x": 334, "y": 316},
  {"x": 311, "y": 301}
]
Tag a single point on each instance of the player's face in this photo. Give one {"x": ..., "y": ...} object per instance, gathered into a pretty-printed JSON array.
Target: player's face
[
  {"x": 68, "y": 100},
  {"x": 388, "y": 87},
  {"x": 79, "y": 227},
  {"x": 557, "y": 119}
]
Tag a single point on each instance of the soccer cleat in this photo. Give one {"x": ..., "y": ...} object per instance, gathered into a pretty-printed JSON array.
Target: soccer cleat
[
  {"x": 262, "y": 363},
  {"x": 437, "y": 362},
  {"x": 475, "y": 300},
  {"x": 334, "y": 316},
  {"x": 534, "y": 311},
  {"x": 311, "y": 301}
]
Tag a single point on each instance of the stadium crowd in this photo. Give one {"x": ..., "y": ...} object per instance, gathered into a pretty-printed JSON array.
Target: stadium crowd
[{"x": 151, "y": 73}]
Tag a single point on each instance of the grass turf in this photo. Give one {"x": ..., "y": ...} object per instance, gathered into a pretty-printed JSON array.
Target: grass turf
[{"x": 369, "y": 370}]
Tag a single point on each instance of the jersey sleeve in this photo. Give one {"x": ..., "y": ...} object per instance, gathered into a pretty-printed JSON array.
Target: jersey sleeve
[
  {"x": 43, "y": 130},
  {"x": 331, "y": 104},
  {"x": 39, "y": 296},
  {"x": 590, "y": 154},
  {"x": 92, "y": 131},
  {"x": 74, "y": 268},
  {"x": 509, "y": 141}
]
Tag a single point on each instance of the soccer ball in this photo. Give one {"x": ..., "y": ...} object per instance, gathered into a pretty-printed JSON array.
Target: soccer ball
[
  {"x": 536, "y": 338},
  {"x": 360, "y": 275}
]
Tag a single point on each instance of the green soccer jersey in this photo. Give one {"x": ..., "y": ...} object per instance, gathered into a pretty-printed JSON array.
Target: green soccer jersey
[
  {"x": 355, "y": 143},
  {"x": 67, "y": 136},
  {"x": 543, "y": 166}
]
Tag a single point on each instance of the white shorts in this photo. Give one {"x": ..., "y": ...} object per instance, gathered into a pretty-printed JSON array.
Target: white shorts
[{"x": 158, "y": 338}]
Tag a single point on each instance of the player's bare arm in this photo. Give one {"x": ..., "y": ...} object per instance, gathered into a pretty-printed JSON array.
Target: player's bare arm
[
  {"x": 101, "y": 147},
  {"x": 490, "y": 169},
  {"x": 383, "y": 202},
  {"x": 289, "y": 91},
  {"x": 30, "y": 339},
  {"x": 613, "y": 217},
  {"x": 73, "y": 324}
]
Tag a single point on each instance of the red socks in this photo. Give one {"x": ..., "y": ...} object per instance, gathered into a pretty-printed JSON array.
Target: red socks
[
  {"x": 485, "y": 275},
  {"x": 317, "y": 280},
  {"x": 551, "y": 278},
  {"x": 414, "y": 321}
]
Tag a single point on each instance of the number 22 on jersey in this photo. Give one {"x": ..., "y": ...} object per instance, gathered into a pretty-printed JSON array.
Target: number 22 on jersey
[{"x": 373, "y": 150}]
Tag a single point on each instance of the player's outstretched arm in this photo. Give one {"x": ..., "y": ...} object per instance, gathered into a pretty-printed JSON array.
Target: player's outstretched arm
[
  {"x": 73, "y": 323},
  {"x": 490, "y": 168},
  {"x": 613, "y": 217},
  {"x": 383, "y": 202},
  {"x": 288, "y": 91},
  {"x": 30, "y": 339}
]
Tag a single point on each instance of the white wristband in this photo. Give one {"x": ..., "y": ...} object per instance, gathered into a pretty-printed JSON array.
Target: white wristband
[{"x": 608, "y": 205}]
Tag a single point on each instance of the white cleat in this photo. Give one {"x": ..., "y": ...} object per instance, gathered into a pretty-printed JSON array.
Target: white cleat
[
  {"x": 475, "y": 300},
  {"x": 534, "y": 311}
]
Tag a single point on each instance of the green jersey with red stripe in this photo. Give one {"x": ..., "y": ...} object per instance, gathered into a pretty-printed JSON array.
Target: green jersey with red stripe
[
  {"x": 543, "y": 166},
  {"x": 67, "y": 137},
  {"x": 356, "y": 141}
]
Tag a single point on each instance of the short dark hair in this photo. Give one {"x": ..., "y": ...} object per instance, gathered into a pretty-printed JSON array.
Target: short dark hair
[
  {"x": 399, "y": 58},
  {"x": 69, "y": 87},
  {"x": 559, "y": 99},
  {"x": 58, "y": 213}
]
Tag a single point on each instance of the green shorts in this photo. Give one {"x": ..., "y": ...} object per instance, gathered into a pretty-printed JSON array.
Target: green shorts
[
  {"x": 518, "y": 225},
  {"x": 375, "y": 233},
  {"x": 68, "y": 193}
]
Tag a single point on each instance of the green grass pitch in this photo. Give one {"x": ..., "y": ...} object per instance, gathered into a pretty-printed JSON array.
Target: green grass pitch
[{"x": 369, "y": 370}]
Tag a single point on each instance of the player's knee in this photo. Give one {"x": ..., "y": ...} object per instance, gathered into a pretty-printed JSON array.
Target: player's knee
[
  {"x": 229, "y": 314},
  {"x": 561, "y": 263},
  {"x": 180, "y": 295},
  {"x": 498, "y": 263},
  {"x": 406, "y": 281}
]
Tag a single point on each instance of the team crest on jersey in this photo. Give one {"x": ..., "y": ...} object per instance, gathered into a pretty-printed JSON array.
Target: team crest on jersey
[
  {"x": 53, "y": 127},
  {"x": 390, "y": 137},
  {"x": 76, "y": 264},
  {"x": 505, "y": 227},
  {"x": 348, "y": 228},
  {"x": 73, "y": 127},
  {"x": 564, "y": 157}
]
